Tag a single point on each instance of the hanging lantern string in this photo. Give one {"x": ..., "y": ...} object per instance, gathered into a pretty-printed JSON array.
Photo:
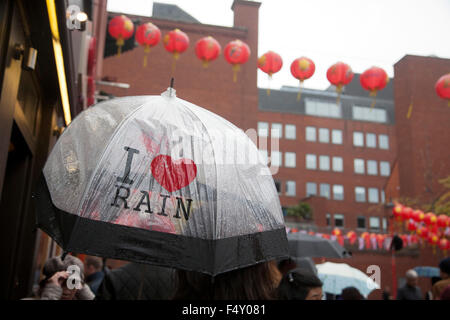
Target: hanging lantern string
[
  {"x": 268, "y": 85},
  {"x": 338, "y": 98},
  {"x": 373, "y": 94},
  {"x": 299, "y": 94},
  {"x": 119, "y": 43},
  {"x": 176, "y": 55},
  {"x": 146, "y": 50},
  {"x": 236, "y": 68}
]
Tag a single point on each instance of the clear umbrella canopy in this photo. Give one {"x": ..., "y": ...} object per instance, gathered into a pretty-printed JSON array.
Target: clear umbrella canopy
[{"x": 160, "y": 180}]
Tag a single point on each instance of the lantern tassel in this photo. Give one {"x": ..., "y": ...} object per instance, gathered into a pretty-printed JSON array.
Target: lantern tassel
[
  {"x": 236, "y": 68},
  {"x": 205, "y": 63},
  {"x": 338, "y": 98},
  {"x": 408, "y": 115},
  {"x": 119, "y": 44},
  {"x": 176, "y": 55},
  {"x": 268, "y": 88},
  {"x": 146, "y": 50},
  {"x": 299, "y": 94},
  {"x": 373, "y": 94}
]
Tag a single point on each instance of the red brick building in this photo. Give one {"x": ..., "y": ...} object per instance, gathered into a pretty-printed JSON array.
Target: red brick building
[{"x": 348, "y": 160}]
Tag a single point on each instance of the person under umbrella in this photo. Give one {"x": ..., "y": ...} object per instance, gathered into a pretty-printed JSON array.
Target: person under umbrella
[
  {"x": 299, "y": 284},
  {"x": 410, "y": 291},
  {"x": 153, "y": 179}
]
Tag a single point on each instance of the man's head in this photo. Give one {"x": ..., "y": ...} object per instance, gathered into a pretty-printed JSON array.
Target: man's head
[
  {"x": 444, "y": 265},
  {"x": 299, "y": 284},
  {"x": 412, "y": 278},
  {"x": 92, "y": 265}
]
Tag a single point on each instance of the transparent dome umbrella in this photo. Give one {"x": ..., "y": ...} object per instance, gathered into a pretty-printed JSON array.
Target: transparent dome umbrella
[{"x": 159, "y": 180}]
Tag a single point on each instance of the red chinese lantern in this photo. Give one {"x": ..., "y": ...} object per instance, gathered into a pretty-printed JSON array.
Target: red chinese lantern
[
  {"x": 422, "y": 232},
  {"x": 406, "y": 213},
  {"x": 380, "y": 240},
  {"x": 302, "y": 68},
  {"x": 430, "y": 219},
  {"x": 148, "y": 35},
  {"x": 207, "y": 49},
  {"x": 433, "y": 239},
  {"x": 418, "y": 215},
  {"x": 339, "y": 74},
  {"x": 442, "y": 221},
  {"x": 236, "y": 53},
  {"x": 412, "y": 226},
  {"x": 336, "y": 232},
  {"x": 176, "y": 42},
  {"x": 366, "y": 237},
  {"x": 374, "y": 80},
  {"x": 444, "y": 245},
  {"x": 270, "y": 63},
  {"x": 351, "y": 236},
  {"x": 120, "y": 28},
  {"x": 443, "y": 87},
  {"x": 397, "y": 212}
]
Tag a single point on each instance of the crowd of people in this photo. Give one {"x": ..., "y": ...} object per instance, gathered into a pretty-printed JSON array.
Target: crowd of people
[{"x": 271, "y": 280}]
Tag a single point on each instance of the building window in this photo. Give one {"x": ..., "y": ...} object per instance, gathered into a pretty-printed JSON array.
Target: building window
[
  {"x": 359, "y": 166},
  {"x": 322, "y": 108},
  {"x": 383, "y": 196},
  {"x": 277, "y": 130},
  {"x": 325, "y": 190},
  {"x": 383, "y": 141},
  {"x": 338, "y": 192},
  {"x": 372, "y": 167},
  {"x": 324, "y": 163},
  {"x": 310, "y": 134},
  {"x": 290, "y": 188},
  {"x": 278, "y": 186},
  {"x": 385, "y": 224},
  {"x": 336, "y": 136},
  {"x": 311, "y": 189},
  {"x": 361, "y": 222},
  {"x": 324, "y": 135},
  {"x": 374, "y": 223},
  {"x": 328, "y": 219},
  {"x": 373, "y": 195},
  {"x": 338, "y": 220},
  {"x": 289, "y": 160},
  {"x": 264, "y": 156},
  {"x": 369, "y": 114},
  {"x": 290, "y": 131},
  {"x": 358, "y": 139},
  {"x": 371, "y": 140},
  {"x": 360, "y": 194},
  {"x": 385, "y": 168},
  {"x": 263, "y": 129},
  {"x": 275, "y": 158},
  {"x": 338, "y": 164},
  {"x": 311, "y": 161}
]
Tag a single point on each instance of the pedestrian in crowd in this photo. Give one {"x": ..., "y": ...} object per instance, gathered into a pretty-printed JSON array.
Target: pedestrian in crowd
[
  {"x": 410, "y": 291},
  {"x": 299, "y": 284},
  {"x": 445, "y": 294},
  {"x": 286, "y": 265},
  {"x": 439, "y": 286},
  {"x": 54, "y": 286},
  {"x": 256, "y": 282},
  {"x": 93, "y": 272},
  {"x": 136, "y": 281},
  {"x": 429, "y": 294},
  {"x": 351, "y": 293},
  {"x": 387, "y": 295}
]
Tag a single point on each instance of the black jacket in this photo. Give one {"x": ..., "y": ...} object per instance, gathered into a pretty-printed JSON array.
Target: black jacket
[{"x": 135, "y": 281}]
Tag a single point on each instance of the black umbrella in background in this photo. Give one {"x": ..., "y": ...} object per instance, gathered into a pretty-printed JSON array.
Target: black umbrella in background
[{"x": 304, "y": 245}]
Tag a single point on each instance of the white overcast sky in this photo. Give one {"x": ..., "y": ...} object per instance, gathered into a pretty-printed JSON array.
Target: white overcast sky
[{"x": 362, "y": 33}]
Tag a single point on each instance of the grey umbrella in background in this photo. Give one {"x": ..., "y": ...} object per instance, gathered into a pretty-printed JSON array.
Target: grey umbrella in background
[
  {"x": 305, "y": 264},
  {"x": 304, "y": 245}
]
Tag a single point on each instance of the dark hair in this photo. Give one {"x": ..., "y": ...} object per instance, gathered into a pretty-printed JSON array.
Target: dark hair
[
  {"x": 96, "y": 262},
  {"x": 257, "y": 282},
  {"x": 444, "y": 265},
  {"x": 351, "y": 293},
  {"x": 286, "y": 265},
  {"x": 296, "y": 285}
]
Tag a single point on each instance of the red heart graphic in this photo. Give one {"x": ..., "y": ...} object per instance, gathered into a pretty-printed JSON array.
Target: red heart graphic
[{"x": 173, "y": 175}]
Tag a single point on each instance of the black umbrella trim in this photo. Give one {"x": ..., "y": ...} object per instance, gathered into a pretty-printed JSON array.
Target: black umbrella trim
[{"x": 81, "y": 235}]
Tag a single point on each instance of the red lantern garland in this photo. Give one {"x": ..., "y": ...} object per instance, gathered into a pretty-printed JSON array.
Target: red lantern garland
[
  {"x": 302, "y": 68},
  {"x": 374, "y": 80},
  {"x": 444, "y": 245},
  {"x": 120, "y": 28},
  {"x": 176, "y": 42},
  {"x": 207, "y": 49},
  {"x": 270, "y": 63},
  {"x": 430, "y": 219},
  {"x": 147, "y": 35},
  {"x": 443, "y": 87},
  {"x": 236, "y": 53},
  {"x": 339, "y": 74}
]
